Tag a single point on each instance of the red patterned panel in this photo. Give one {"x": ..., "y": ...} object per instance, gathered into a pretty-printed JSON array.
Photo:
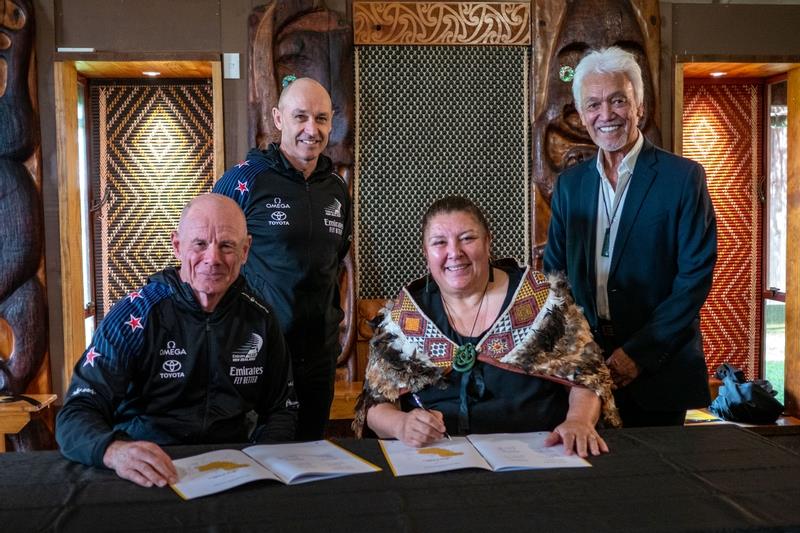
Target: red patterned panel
[{"x": 722, "y": 129}]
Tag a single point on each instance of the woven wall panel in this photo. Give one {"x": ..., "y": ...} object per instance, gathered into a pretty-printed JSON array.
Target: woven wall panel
[
  {"x": 153, "y": 151},
  {"x": 722, "y": 129},
  {"x": 434, "y": 121}
]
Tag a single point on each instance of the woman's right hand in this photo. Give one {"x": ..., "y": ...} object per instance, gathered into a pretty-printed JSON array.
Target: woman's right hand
[
  {"x": 421, "y": 427},
  {"x": 415, "y": 428}
]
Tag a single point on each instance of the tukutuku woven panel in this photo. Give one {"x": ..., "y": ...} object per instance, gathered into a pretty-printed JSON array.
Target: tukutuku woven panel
[
  {"x": 722, "y": 129},
  {"x": 433, "y": 121},
  {"x": 152, "y": 152}
]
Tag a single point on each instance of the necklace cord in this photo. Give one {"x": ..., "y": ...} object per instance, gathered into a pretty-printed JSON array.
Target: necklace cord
[
  {"x": 477, "y": 314},
  {"x": 615, "y": 205}
]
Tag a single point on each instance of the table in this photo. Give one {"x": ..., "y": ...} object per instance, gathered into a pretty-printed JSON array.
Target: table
[
  {"x": 15, "y": 415},
  {"x": 656, "y": 479}
]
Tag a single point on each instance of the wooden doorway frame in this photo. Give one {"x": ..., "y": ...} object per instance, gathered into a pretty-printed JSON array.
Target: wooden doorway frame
[
  {"x": 65, "y": 79},
  {"x": 792, "y": 334}
]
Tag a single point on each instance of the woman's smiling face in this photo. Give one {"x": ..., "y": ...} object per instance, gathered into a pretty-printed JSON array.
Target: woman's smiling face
[{"x": 456, "y": 247}]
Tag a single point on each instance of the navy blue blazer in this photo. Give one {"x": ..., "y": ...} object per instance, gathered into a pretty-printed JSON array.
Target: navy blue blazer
[{"x": 661, "y": 269}]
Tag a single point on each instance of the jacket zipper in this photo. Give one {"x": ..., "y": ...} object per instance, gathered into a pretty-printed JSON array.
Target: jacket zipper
[
  {"x": 310, "y": 227},
  {"x": 208, "y": 374}
]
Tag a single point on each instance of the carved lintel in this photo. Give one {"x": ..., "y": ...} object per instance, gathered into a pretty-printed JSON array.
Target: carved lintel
[{"x": 442, "y": 23}]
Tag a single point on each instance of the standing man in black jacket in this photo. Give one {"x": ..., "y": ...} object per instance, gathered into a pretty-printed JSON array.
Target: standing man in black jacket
[
  {"x": 185, "y": 359},
  {"x": 299, "y": 214}
]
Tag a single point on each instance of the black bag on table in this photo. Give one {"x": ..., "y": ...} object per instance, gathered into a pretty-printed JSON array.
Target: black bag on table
[{"x": 750, "y": 402}]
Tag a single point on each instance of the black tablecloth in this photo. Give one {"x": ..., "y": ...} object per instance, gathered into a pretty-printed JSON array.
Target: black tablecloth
[{"x": 655, "y": 479}]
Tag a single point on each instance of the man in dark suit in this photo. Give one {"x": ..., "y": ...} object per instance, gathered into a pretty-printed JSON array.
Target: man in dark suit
[{"x": 635, "y": 232}]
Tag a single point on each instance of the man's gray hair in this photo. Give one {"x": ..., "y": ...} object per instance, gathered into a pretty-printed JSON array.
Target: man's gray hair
[{"x": 608, "y": 61}]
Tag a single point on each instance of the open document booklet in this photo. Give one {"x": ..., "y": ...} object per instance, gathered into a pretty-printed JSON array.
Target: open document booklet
[
  {"x": 291, "y": 463},
  {"x": 497, "y": 452}
]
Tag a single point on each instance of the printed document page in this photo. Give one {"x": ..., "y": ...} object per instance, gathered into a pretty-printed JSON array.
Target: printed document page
[
  {"x": 523, "y": 451},
  {"x": 216, "y": 471},
  {"x": 296, "y": 462},
  {"x": 441, "y": 456},
  {"x": 301, "y": 462}
]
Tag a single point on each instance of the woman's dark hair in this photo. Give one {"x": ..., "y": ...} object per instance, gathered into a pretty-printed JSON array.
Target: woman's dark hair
[{"x": 454, "y": 204}]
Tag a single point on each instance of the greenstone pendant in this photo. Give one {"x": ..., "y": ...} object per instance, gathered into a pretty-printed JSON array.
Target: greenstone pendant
[{"x": 464, "y": 358}]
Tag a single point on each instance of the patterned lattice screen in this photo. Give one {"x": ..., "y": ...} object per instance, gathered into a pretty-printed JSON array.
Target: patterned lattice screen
[
  {"x": 152, "y": 151},
  {"x": 722, "y": 129},
  {"x": 432, "y": 121}
]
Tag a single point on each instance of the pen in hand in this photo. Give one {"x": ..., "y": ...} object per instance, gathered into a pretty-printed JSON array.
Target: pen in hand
[{"x": 421, "y": 406}]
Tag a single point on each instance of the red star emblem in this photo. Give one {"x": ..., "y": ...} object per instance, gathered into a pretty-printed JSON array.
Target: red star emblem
[
  {"x": 135, "y": 323},
  {"x": 91, "y": 355},
  {"x": 244, "y": 163},
  {"x": 133, "y": 295},
  {"x": 242, "y": 187}
]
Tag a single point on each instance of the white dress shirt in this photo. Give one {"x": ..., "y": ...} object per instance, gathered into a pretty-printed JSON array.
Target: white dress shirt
[{"x": 609, "y": 206}]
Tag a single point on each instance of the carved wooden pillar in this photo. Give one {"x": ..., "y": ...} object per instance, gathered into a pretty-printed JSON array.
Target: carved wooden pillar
[
  {"x": 302, "y": 38},
  {"x": 23, "y": 311},
  {"x": 564, "y": 31}
]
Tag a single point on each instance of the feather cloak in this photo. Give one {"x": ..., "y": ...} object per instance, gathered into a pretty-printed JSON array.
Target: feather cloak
[{"x": 542, "y": 333}]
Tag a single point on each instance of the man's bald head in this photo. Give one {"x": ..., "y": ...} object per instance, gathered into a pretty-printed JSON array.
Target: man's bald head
[
  {"x": 306, "y": 86},
  {"x": 304, "y": 117},
  {"x": 218, "y": 204},
  {"x": 211, "y": 243}
]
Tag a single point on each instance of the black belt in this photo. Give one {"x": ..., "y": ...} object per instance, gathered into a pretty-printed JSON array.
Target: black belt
[
  {"x": 606, "y": 337},
  {"x": 605, "y": 328}
]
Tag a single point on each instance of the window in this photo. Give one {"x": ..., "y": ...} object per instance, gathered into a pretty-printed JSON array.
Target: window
[
  {"x": 774, "y": 292},
  {"x": 86, "y": 213}
]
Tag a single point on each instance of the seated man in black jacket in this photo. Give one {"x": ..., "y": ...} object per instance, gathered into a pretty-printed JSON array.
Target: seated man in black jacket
[{"x": 182, "y": 360}]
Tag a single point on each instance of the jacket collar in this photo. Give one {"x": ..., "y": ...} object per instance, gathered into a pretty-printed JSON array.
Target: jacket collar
[
  {"x": 641, "y": 181},
  {"x": 185, "y": 295},
  {"x": 284, "y": 167}
]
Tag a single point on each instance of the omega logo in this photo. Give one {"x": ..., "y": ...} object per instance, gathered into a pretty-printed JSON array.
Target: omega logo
[{"x": 277, "y": 204}]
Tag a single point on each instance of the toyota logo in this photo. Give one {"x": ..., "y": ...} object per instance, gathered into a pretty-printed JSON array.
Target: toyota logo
[
  {"x": 171, "y": 366},
  {"x": 278, "y": 215}
]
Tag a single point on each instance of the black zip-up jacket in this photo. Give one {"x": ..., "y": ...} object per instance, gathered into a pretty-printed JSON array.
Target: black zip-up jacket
[
  {"x": 161, "y": 369},
  {"x": 301, "y": 231}
]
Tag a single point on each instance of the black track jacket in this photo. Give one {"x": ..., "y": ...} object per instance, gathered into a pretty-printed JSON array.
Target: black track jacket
[
  {"x": 161, "y": 369},
  {"x": 301, "y": 231}
]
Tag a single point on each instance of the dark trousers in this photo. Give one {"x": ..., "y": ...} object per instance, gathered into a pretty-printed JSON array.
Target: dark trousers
[
  {"x": 313, "y": 384},
  {"x": 632, "y": 414}
]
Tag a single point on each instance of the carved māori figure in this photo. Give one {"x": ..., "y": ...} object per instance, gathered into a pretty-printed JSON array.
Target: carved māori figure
[
  {"x": 22, "y": 301},
  {"x": 301, "y": 38},
  {"x": 575, "y": 28}
]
